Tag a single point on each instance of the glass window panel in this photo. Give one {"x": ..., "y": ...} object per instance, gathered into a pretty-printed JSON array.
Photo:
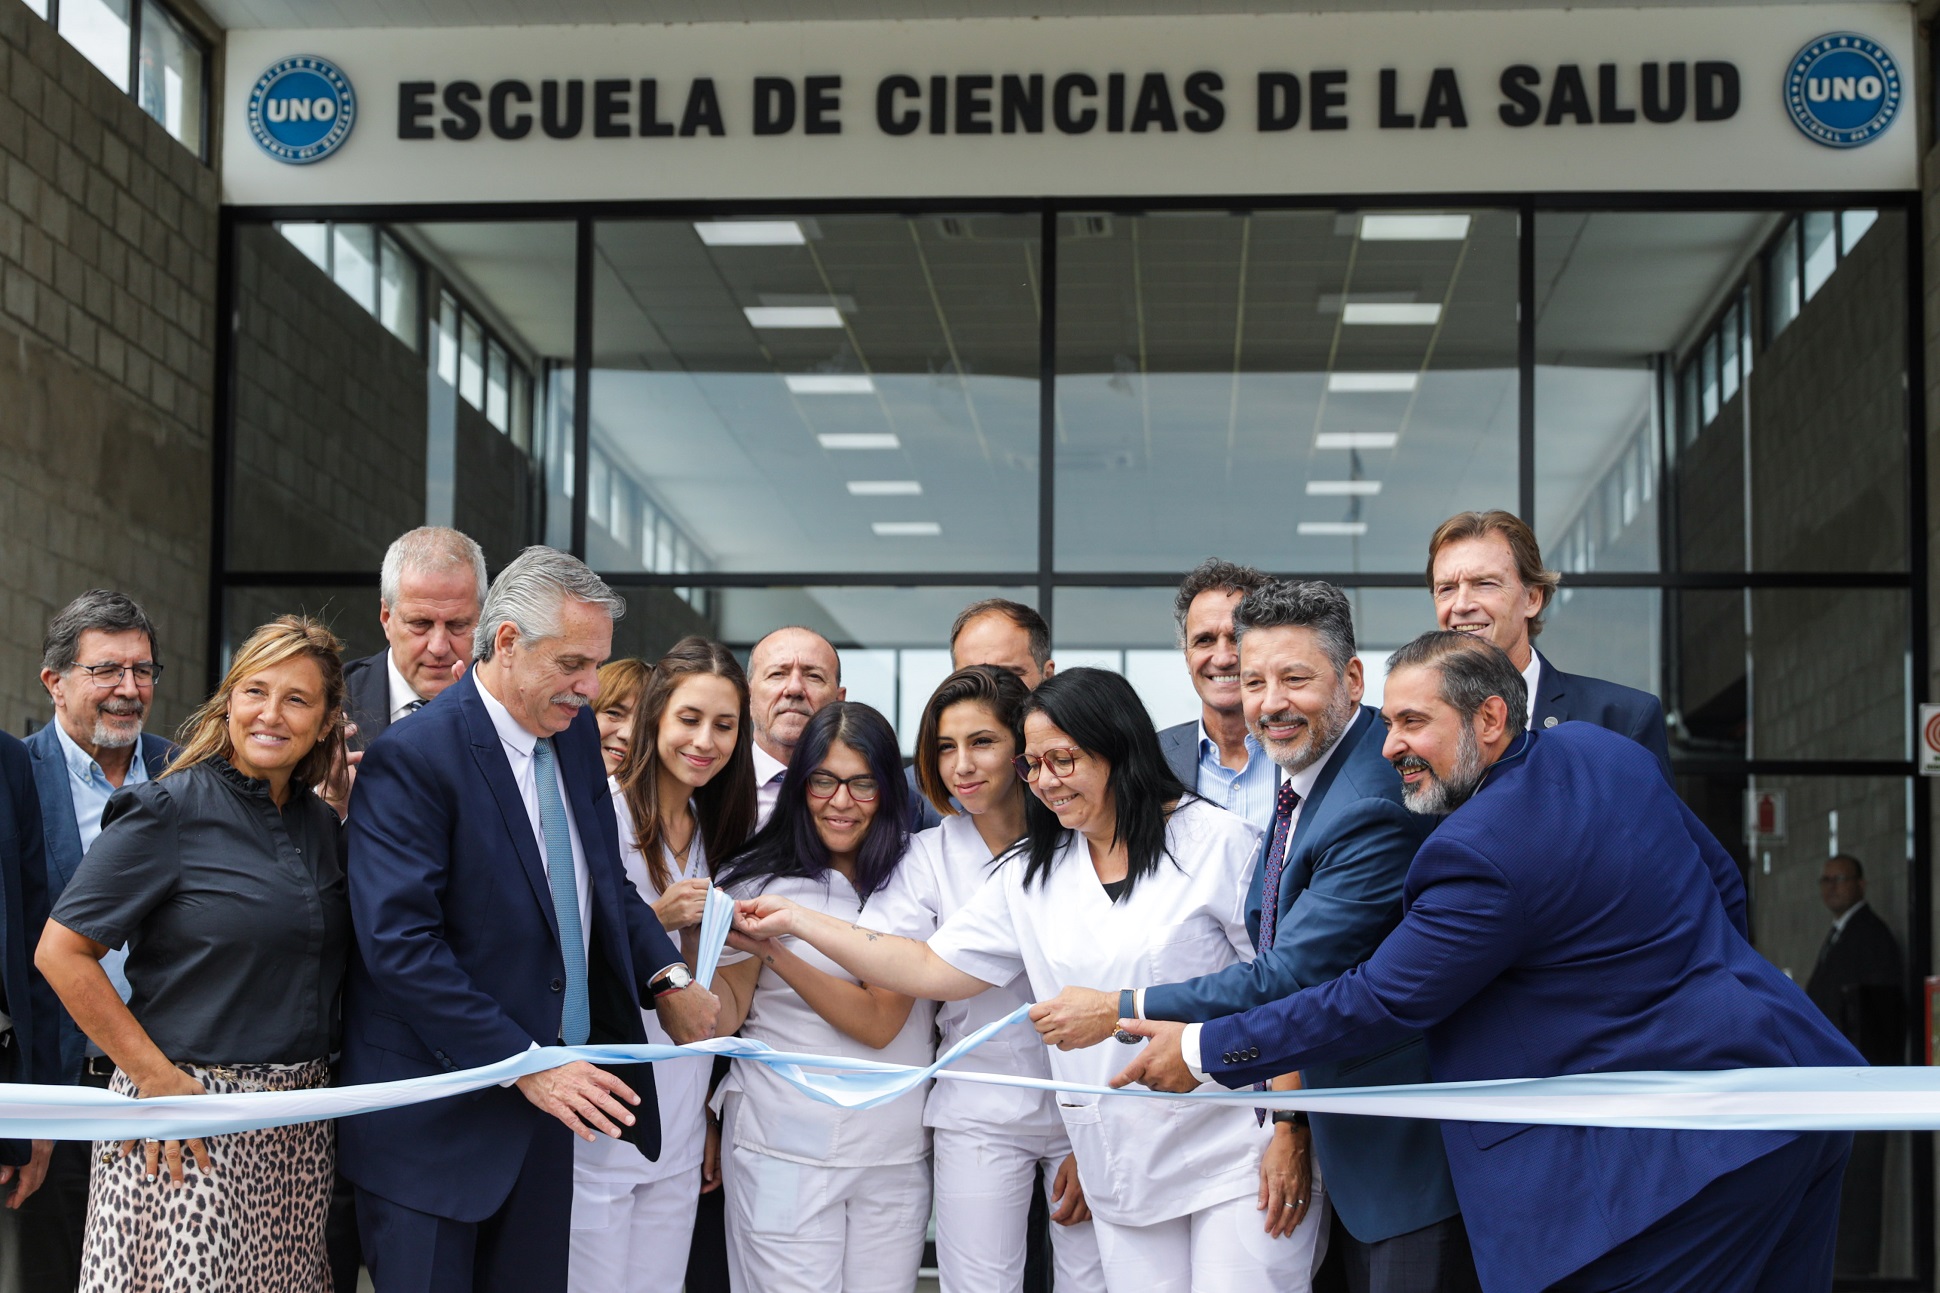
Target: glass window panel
[
  {"x": 447, "y": 339},
  {"x": 99, "y": 29},
  {"x": 312, "y": 238},
  {"x": 663, "y": 546},
  {"x": 559, "y": 451},
  {"x": 38, "y": 6},
  {"x": 598, "y": 488},
  {"x": 899, "y": 433},
  {"x": 1687, "y": 401},
  {"x": 521, "y": 407},
  {"x": 397, "y": 290},
  {"x": 1745, "y": 346},
  {"x": 471, "y": 361},
  {"x": 1821, "y": 249},
  {"x": 1708, "y": 377},
  {"x": 1782, "y": 281},
  {"x": 1221, "y": 388},
  {"x": 621, "y": 523},
  {"x": 171, "y": 71},
  {"x": 1728, "y": 352},
  {"x": 1853, "y": 226},
  {"x": 495, "y": 385},
  {"x": 353, "y": 262}
]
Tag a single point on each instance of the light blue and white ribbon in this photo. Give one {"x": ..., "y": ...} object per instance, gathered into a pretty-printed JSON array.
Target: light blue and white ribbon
[{"x": 716, "y": 919}]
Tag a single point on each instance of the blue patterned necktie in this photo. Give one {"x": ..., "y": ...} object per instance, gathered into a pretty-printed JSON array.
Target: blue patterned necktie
[
  {"x": 576, "y": 1021},
  {"x": 1286, "y": 801}
]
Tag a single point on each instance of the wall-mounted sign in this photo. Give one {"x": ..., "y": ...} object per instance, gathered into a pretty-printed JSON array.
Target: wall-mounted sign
[
  {"x": 301, "y": 110},
  {"x": 1328, "y": 104},
  {"x": 1928, "y": 750},
  {"x": 1765, "y": 816}
]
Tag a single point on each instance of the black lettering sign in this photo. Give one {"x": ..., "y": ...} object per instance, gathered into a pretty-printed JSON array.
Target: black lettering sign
[
  {"x": 774, "y": 105},
  {"x": 1208, "y": 110},
  {"x": 1021, "y": 103},
  {"x": 1444, "y": 101},
  {"x": 821, "y": 100},
  {"x": 1717, "y": 91},
  {"x": 1661, "y": 106},
  {"x": 413, "y": 106},
  {"x": 939, "y": 105},
  {"x": 1392, "y": 118},
  {"x": 1115, "y": 103},
  {"x": 558, "y": 122},
  {"x": 1609, "y": 112},
  {"x": 1518, "y": 87},
  {"x": 461, "y": 101},
  {"x": 888, "y": 120},
  {"x": 611, "y": 106},
  {"x": 703, "y": 110},
  {"x": 1154, "y": 106},
  {"x": 1279, "y": 101},
  {"x": 973, "y": 104},
  {"x": 505, "y": 123},
  {"x": 1330, "y": 95},
  {"x": 650, "y": 122},
  {"x": 1063, "y": 116},
  {"x": 1569, "y": 97}
]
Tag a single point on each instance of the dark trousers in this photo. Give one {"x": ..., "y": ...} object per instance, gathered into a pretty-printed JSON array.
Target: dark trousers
[
  {"x": 1862, "y": 1200},
  {"x": 522, "y": 1248},
  {"x": 1766, "y": 1228},
  {"x": 340, "y": 1237},
  {"x": 1433, "y": 1259},
  {"x": 50, "y": 1225}
]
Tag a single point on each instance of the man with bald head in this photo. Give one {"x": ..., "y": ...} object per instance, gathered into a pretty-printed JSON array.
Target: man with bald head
[{"x": 792, "y": 673}]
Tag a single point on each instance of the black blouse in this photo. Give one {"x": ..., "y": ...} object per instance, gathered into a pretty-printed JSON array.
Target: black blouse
[{"x": 235, "y": 914}]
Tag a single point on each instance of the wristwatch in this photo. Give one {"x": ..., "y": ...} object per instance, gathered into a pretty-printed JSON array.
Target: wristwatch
[
  {"x": 671, "y": 979},
  {"x": 1291, "y": 1117}
]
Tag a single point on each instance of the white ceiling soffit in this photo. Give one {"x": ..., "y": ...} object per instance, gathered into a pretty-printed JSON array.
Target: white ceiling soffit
[{"x": 301, "y": 15}]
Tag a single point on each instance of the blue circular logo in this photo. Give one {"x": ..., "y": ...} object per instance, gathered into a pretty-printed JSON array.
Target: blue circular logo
[
  {"x": 301, "y": 110},
  {"x": 1843, "y": 90}
]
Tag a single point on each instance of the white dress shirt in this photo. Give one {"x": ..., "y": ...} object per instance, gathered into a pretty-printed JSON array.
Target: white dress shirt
[
  {"x": 1530, "y": 677},
  {"x": 767, "y": 784},
  {"x": 518, "y": 745},
  {"x": 402, "y": 698}
]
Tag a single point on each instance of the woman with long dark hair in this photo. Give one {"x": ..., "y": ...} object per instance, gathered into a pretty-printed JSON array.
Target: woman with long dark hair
[
  {"x": 988, "y": 1142},
  {"x": 684, "y": 794},
  {"x": 1126, "y": 877},
  {"x": 820, "y": 1198}
]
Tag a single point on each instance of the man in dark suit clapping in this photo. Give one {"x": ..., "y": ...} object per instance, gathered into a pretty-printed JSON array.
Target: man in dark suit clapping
[{"x": 1857, "y": 983}]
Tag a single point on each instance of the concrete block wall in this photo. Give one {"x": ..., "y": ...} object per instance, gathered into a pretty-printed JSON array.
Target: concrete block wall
[{"x": 108, "y": 231}]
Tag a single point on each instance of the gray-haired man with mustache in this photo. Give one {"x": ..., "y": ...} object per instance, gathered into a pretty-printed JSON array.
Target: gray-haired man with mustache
[{"x": 792, "y": 673}]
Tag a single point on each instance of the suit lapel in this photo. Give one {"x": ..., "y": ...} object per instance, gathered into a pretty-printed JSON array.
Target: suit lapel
[
  {"x": 489, "y": 753},
  {"x": 1313, "y": 808},
  {"x": 57, "y": 824},
  {"x": 1554, "y": 685},
  {"x": 155, "y": 754}
]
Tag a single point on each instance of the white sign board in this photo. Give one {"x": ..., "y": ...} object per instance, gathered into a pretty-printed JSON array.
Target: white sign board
[
  {"x": 1648, "y": 100},
  {"x": 1929, "y": 741}
]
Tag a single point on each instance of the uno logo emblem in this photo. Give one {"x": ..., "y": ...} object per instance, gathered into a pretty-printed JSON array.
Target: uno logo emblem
[
  {"x": 301, "y": 110},
  {"x": 1843, "y": 90}
]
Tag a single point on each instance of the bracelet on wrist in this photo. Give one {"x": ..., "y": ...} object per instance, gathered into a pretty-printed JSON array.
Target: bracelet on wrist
[{"x": 1296, "y": 1118}]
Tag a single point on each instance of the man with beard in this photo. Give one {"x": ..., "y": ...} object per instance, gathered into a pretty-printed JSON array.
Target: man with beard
[
  {"x": 1325, "y": 891},
  {"x": 99, "y": 663},
  {"x": 1568, "y": 915},
  {"x": 792, "y": 673}
]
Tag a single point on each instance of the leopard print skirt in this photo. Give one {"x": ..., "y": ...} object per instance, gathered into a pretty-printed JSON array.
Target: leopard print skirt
[{"x": 252, "y": 1225}]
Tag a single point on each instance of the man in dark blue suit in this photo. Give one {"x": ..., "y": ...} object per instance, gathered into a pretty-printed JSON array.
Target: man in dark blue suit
[
  {"x": 1326, "y": 891},
  {"x": 1570, "y": 915},
  {"x": 1487, "y": 576},
  {"x": 30, "y": 1050},
  {"x": 492, "y": 915}
]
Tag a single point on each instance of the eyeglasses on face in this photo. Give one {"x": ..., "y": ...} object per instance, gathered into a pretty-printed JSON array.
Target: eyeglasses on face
[
  {"x": 823, "y": 785},
  {"x": 1062, "y": 761},
  {"x": 106, "y": 676}
]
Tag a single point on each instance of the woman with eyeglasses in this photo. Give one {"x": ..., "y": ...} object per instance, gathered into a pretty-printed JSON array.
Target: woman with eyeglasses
[
  {"x": 989, "y": 1142},
  {"x": 684, "y": 793},
  {"x": 1125, "y": 877},
  {"x": 821, "y": 1198}
]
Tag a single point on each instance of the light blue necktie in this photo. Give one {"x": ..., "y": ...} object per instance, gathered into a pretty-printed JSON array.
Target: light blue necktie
[{"x": 576, "y": 1021}]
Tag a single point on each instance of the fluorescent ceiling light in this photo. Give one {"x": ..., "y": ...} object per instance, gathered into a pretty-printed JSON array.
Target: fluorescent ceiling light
[
  {"x": 831, "y": 384},
  {"x": 1368, "y": 383},
  {"x": 1414, "y": 228},
  {"x": 1386, "y": 312},
  {"x": 1333, "y": 529},
  {"x": 860, "y": 440},
  {"x": 799, "y": 316},
  {"x": 1343, "y": 488},
  {"x": 884, "y": 488},
  {"x": 1356, "y": 439},
  {"x": 752, "y": 233},
  {"x": 906, "y": 529}
]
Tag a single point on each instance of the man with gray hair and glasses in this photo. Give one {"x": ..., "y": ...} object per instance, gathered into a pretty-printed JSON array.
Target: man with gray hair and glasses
[
  {"x": 428, "y": 595},
  {"x": 492, "y": 915},
  {"x": 100, "y": 660},
  {"x": 1325, "y": 890}
]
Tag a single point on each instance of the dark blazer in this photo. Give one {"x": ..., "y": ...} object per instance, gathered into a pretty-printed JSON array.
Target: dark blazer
[
  {"x": 35, "y": 1049},
  {"x": 1340, "y": 895},
  {"x": 61, "y": 836},
  {"x": 367, "y": 697},
  {"x": 1569, "y": 697},
  {"x": 457, "y": 959},
  {"x": 1857, "y": 985},
  {"x": 1180, "y": 745},
  {"x": 1573, "y": 917},
  {"x": 922, "y": 813}
]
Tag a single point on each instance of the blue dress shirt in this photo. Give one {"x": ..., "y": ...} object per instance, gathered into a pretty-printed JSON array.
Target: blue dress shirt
[{"x": 1248, "y": 791}]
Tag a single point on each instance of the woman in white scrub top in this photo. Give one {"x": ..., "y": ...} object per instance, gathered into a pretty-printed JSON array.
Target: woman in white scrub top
[
  {"x": 684, "y": 792},
  {"x": 1128, "y": 875},
  {"x": 821, "y": 1199},
  {"x": 989, "y": 1142}
]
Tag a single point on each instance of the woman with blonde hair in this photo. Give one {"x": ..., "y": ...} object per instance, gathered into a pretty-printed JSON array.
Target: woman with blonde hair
[
  {"x": 224, "y": 877},
  {"x": 621, "y": 682}
]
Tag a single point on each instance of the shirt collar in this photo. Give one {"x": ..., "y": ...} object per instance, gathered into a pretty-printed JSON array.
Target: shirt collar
[
  {"x": 401, "y": 692},
  {"x": 1253, "y": 747},
  {"x": 1532, "y": 677},
  {"x": 1839, "y": 925},
  {"x": 83, "y": 767},
  {"x": 1303, "y": 780},
  {"x": 766, "y": 765},
  {"x": 508, "y": 728}
]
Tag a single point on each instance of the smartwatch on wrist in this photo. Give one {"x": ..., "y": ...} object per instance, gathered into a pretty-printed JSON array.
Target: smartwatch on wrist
[{"x": 1290, "y": 1117}]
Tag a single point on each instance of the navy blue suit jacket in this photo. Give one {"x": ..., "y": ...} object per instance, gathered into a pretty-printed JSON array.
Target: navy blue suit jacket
[
  {"x": 1573, "y": 917},
  {"x": 1570, "y": 697},
  {"x": 23, "y": 911},
  {"x": 457, "y": 957},
  {"x": 61, "y": 836},
  {"x": 1340, "y": 895}
]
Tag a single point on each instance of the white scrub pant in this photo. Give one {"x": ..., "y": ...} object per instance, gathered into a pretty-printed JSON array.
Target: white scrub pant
[
  {"x": 1214, "y": 1250},
  {"x": 983, "y": 1205},
  {"x": 632, "y": 1238},
  {"x": 799, "y": 1228}
]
